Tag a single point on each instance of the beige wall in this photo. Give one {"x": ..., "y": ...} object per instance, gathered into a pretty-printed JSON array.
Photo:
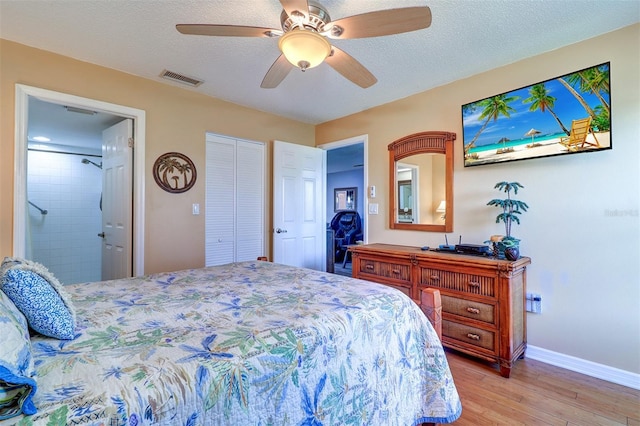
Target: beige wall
[
  {"x": 177, "y": 120},
  {"x": 585, "y": 260}
]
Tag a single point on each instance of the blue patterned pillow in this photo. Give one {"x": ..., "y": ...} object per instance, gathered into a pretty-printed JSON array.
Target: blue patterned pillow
[
  {"x": 17, "y": 373},
  {"x": 41, "y": 299}
]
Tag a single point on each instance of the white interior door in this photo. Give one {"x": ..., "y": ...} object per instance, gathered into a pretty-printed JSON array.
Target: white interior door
[
  {"x": 250, "y": 214},
  {"x": 298, "y": 205},
  {"x": 220, "y": 228},
  {"x": 117, "y": 200},
  {"x": 415, "y": 197}
]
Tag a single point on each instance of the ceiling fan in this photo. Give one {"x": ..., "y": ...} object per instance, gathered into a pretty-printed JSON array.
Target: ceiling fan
[{"x": 306, "y": 26}]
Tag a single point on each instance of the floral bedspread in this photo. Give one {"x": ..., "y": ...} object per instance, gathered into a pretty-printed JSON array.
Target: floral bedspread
[{"x": 250, "y": 343}]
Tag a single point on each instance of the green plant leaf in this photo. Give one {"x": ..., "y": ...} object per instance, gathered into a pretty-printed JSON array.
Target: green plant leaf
[{"x": 510, "y": 208}]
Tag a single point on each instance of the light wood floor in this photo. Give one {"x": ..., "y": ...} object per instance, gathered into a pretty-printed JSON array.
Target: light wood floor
[{"x": 539, "y": 394}]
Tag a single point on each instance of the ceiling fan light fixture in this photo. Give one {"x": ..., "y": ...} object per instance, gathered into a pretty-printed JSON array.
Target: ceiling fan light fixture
[{"x": 303, "y": 48}]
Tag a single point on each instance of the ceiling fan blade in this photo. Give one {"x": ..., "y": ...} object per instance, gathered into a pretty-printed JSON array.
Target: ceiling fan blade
[
  {"x": 381, "y": 23},
  {"x": 278, "y": 71},
  {"x": 226, "y": 30},
  {"x": 351, "y": 69},
  {"x": 291, "y": 6}
]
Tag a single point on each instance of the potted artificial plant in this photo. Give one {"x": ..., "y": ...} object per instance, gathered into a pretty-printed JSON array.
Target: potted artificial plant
[{"x": 506, "y": 245}]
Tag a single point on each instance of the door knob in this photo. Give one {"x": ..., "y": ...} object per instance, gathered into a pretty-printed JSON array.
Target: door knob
[
  {"x": 281, "y": 231},
  {"x": 101, "y": 235}
]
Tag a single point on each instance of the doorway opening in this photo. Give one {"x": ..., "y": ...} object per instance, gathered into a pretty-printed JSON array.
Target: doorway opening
[
  {"x": 346, "y": 168},
  {"x": 28, "y": 100}
]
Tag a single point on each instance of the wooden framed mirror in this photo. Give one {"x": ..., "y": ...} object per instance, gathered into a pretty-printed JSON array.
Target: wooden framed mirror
[{"x": 421, "y": 182}]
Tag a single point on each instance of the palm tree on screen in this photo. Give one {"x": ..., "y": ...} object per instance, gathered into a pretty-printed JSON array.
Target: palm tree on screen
[
  {"x": 568, "y": 84},
  {"x": 593, "y": 81},
  {"x": 596, "y": 81},
  {"x": 542, "y": 101},
  {"x": 492, "y": 109}
]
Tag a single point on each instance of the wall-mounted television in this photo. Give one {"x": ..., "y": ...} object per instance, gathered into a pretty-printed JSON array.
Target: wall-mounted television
[{"x": 563, "y": 115}]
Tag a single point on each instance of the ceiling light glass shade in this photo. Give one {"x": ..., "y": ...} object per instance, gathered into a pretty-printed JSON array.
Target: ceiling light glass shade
[{"x": 304, "y": 49}]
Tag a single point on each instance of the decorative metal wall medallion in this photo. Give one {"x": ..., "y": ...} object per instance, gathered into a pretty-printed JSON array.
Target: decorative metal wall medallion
[{"x": 174, "y": 172}]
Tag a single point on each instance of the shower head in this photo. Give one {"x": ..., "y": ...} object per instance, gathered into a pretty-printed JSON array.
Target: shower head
[{"x": 85, "y": 161}]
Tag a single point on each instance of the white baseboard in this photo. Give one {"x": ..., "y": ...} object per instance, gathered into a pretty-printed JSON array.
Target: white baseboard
[{"x": 600, "y": 371}]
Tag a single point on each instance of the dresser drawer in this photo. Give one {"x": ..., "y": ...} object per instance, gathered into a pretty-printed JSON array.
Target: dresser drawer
[
  {"x": 469, "y": 309},
  {"x": 397, "y": 271},
  {"x": 482, "y": 297},
  {"x": 470, "y": 335},
  {"x": 467, "y": 283}
]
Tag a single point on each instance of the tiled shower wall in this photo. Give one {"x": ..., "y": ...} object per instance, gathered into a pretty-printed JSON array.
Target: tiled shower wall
[{"x": 65, "y": 240}]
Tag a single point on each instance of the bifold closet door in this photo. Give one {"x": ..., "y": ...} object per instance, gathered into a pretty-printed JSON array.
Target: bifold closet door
[
  {"x": 234, "y": 222},
  {"x": 250, "y": 188}
]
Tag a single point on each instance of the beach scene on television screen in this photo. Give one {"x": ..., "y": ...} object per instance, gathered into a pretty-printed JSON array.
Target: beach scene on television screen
[{"x": 563, "y": 115}]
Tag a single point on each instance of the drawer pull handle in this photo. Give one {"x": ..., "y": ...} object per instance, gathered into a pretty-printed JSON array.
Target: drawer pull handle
[
  {"x": 435, "y": 277},
  {"x": 473, "y": 336},
  {"x": 473, "y": 310},
  {"x": 474, "y": 284},
  {"x": 395, "y": 271},
  {"x": 369, "y": 267}
]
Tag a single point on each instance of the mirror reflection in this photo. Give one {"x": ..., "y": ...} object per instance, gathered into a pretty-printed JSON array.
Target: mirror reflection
[
  {"x": 405, "y": 201},
  {"x": 421, "y": 188},
  {"x": 421, "y": 182}
]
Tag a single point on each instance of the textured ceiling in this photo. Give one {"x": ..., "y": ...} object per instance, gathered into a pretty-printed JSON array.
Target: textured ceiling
[{"x": 465, "y": 38}]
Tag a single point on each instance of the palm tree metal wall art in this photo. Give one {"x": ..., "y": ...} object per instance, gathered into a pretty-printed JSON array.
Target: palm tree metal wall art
[{"x": 174, "y": 172}]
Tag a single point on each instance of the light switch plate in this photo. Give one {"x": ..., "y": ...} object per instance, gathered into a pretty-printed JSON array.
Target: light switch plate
[
  {"x": 373, "y": 208},
  {"x": 196, "y": 209}
]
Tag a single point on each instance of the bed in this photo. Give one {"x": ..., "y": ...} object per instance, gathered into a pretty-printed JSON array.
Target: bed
[{"x": 248, "y": 343}]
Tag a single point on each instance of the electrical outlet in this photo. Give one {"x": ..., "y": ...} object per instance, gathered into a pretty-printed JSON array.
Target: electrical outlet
[
  {"x": 534, "y": 303},
  {"x": 373, "y": 208}
]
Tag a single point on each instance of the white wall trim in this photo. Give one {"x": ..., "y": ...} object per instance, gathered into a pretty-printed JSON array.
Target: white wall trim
[
  {"x": 364, "y": 139},
  {"x": 589, "y": 368},
  {"x": 20, "y": 162}
]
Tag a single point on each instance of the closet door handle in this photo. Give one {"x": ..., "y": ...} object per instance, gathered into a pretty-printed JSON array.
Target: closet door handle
[
  {"x": 101, "y": 235},
  {"x": 281, "y": 231}
]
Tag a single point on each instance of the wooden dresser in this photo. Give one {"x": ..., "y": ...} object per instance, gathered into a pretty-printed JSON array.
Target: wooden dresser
[{"x": 483, "y": 298}]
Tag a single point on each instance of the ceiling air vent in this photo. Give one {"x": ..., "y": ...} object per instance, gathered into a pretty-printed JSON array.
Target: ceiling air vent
[{"x": 180, "y": 78}]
